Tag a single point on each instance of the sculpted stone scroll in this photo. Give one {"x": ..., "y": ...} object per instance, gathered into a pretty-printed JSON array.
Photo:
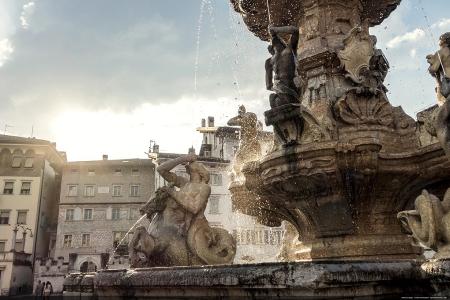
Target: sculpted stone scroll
[{"x": 179, "y": 234}]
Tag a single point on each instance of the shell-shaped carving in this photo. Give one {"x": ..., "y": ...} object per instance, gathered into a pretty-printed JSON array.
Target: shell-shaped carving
[{"x": 356, "y": 109}]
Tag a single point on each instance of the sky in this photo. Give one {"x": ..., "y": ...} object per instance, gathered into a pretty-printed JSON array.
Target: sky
[{"x": 107, "y": 76}]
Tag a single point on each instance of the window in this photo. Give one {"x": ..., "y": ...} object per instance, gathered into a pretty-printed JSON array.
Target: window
[
  {"x": 87, "y": 214},
  {"x": 21, "y": 217},
  {"x": 89, "y": 191},
  {"x": 69, "y": 214},
  {"x": 115, "y": 213},
  {"x": 134, "y": 190},
  {"x": 4, "y": 217},
  {"x": 216, "y": 179},
  {"x": 117, "y": 190},
  {"x": 91, "y": 172},
  {"x": 214, "y": 205},
  {"x": 16, "y": 162},
  {"x": 72, "y": 190},
  {"x": 86, "y": 240},
  {"x": 118, "y": 172},
  {"x": 26, "y": 188},
  {"x": 28, "y": 162},
  {"x": 103, "y": 189},
  {"x": 118, "y": 236},
  {"x": 73, "y": 171},
  {"x": 9, "y": 188},
  {"x": 67, "y": 243},
  {"x": 134, "y": 172},
  {"x": 2, "y": 246},
  {"x": 19, "y": 245}
]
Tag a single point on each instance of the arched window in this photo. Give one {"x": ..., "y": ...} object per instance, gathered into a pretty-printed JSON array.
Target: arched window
[
  {"x": 5, "y": 157},
  {"x": 88, "y": 266}
]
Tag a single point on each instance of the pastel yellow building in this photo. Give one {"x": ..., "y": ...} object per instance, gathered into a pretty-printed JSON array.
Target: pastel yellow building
[{"x": 30, "y": 176}]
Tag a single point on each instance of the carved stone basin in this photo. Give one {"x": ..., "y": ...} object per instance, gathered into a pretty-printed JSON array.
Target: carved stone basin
[
  {"x": 304, "y": 12},
  {"x": 343, "y": 197}
]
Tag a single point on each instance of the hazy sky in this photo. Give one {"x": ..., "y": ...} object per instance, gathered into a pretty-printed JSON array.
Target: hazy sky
[{"x": 107, "y": 76}]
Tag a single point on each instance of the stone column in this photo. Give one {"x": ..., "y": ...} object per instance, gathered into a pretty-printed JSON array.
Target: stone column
[
  {"x": 14, "y": 237},
  {"x": 24, "y": 236}
]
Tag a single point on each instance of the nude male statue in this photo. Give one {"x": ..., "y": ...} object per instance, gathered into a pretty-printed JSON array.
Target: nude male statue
[
  {"x": 180, "y": 234},
  {"x": 440, "y": 65},
  {"x": 281, "y": 68},
  {"x": 440, "y": 69}
]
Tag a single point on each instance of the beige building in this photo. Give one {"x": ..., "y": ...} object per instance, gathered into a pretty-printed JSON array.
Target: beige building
[
  {"x": 99, "y": 203},
  {"x": 30, "y": 174}
]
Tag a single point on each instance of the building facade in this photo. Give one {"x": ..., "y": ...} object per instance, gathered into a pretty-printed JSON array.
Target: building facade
[
  {"x": 30, "y": 176},
  {"x": 99, "y": 203}
]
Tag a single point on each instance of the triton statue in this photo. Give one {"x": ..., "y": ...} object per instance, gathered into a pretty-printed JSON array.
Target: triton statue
[
  {"x": 429, "y": 223},
  {"x": 179, "y": 234}
]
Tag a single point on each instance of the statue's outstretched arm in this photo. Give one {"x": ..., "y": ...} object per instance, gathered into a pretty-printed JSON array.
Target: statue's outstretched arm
[
  {"x": 192, "y": 204},
  {"x": 269, "y": 74},
  {"x": 164, "y": 169},
  {"x": 435, "y": 63},
  {"x": 235, "y": 121}
]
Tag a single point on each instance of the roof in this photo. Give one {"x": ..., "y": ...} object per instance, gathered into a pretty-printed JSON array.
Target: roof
[
  {"x": 199, "y": 158},
  {"x": 11, "y": 139},
  {"x": 18, "y": 140},
  {"x": 112, "y": 162}
]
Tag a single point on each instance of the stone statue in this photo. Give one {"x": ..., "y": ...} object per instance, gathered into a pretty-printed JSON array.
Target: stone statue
[
  {"x": 249, "y": 147},
  {"x": 440, "y": 66},
  {"x": 440, "y": 69},
  {"x": 429, "y": 223},
  {"x": 281, "y": 68},
  {"x": 179, "y": 234}
]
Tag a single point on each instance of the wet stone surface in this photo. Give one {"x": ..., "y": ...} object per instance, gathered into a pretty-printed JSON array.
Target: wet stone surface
[{"x": 320, "y": 279}]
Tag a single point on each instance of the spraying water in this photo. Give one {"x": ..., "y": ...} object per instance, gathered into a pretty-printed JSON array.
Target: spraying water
[
  {"x": 199, "y": 31},
  {"x": 124, "y": 237}
]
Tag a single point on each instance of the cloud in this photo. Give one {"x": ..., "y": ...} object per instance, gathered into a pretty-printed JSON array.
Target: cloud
[
  {"x": 27, "y": 11},
  {"x": 443, "y": 24},
  {"x": 6, "y": 49},
  {"x": 412, "y": 36}
]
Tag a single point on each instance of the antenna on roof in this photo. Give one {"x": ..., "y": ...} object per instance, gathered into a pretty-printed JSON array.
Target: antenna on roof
[
  {"x": 6, "y": 128},
  {"x": 32, "y": 131}
]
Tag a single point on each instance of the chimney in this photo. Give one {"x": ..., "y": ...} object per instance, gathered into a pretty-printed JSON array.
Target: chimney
[
  {"x": 203, "y": 123},
  {"x": 210, "y": 121},
  {"x": 155, "y": 148},
  {"x": 191, "y": 150},
  {"x": 105, "y": 156}
]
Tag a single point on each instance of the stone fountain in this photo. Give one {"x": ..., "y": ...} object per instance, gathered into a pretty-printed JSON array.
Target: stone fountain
[
  {"x": 347, "y": 170},
  {"x": 349, "y": 161}
]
